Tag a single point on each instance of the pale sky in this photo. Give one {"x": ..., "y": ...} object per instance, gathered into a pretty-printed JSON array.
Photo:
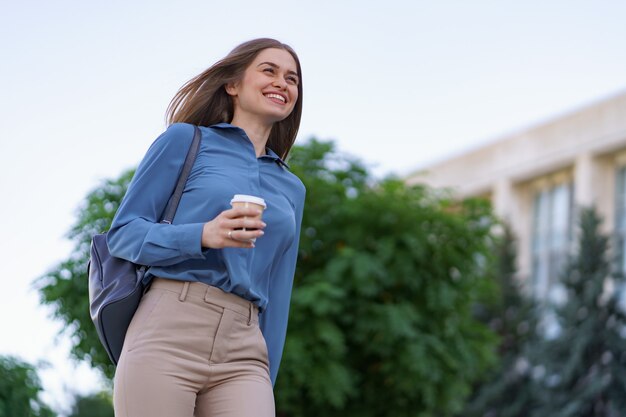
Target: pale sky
[{"x": 84, "y": 86}]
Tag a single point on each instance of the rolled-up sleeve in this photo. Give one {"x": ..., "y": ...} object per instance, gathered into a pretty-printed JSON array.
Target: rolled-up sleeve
[
  {"x": 273, "y": 320},
  {"x": 136, "y": 234}
]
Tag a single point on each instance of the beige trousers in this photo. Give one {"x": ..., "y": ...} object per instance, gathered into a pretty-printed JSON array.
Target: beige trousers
[{"x": 193, "y": 350}]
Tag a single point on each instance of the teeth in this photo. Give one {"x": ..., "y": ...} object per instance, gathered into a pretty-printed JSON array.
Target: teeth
[{"x": 281, "y": 98}]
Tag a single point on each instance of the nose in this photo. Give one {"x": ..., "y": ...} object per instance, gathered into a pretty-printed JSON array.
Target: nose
[{"x": 280, "y": 83}]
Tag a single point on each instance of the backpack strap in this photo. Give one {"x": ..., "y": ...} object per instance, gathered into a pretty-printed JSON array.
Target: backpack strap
[{"x": 172, "y": 204}]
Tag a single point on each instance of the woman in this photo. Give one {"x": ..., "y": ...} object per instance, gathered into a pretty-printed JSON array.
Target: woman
[{"x": 207, "y": 338}]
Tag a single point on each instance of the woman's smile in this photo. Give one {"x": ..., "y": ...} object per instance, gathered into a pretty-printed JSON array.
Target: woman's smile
[{"x": 277, "y": 97}]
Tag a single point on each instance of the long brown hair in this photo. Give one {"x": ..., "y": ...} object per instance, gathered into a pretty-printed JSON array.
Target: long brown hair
[{"x": 203, "y": 100}]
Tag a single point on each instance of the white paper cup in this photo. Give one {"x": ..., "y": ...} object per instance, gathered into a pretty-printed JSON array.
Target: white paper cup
[
  {"x": 248, "y": 201},
  {"x": 244, "y": 200}
]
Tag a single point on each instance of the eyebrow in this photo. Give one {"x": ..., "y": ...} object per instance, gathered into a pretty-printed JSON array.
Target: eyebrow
[{"x": 271, "y": 64}]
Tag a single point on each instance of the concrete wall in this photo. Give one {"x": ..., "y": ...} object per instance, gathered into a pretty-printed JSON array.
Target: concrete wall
[{"x": 585, "y": 147}]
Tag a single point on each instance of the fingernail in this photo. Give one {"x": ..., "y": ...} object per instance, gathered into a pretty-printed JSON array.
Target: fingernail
[
  {"x": 261, "y": 232},
  {"x": 264, "y": 224}
]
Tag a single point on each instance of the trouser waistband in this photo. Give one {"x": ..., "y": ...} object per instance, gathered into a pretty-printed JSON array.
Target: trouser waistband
[{"x": 209, "y": 294}]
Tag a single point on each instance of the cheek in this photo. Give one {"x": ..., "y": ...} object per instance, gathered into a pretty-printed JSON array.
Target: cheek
[{"x": 295, "y": 97}]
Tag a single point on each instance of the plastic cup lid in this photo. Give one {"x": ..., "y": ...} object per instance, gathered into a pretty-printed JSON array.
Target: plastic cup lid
[{"x": 243, "y": 198}]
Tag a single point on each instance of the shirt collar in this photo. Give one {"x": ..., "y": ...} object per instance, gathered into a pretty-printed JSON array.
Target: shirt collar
[
  {"x": 269, "y": 153},
  {"x": 272, "y": 155}
]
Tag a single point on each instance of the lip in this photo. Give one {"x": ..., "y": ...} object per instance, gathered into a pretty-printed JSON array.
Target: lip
[{"x": 283, "y": 95}]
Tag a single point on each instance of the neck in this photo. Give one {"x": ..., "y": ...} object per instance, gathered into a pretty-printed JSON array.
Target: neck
[{"x": 257, "y": 131}]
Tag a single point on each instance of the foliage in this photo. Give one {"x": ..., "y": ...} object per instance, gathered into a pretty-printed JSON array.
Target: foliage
[
  {"x": 95, "y": 405},
  {"x": 19, "y": 390},
  {"x": 508, "y": 390},
  {"x": 66, "y": 286},
  {"x": 585, "y": 366},
  {"x": 380, "y": 322}
]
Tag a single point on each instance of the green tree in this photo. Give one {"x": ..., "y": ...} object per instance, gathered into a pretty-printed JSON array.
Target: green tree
[
  {"x": 94, "y": 405},
  {"x": 19, "y": 390},
  {"x": 585, "y": 365},
  {"x": 508, "y": 390},
  {"x": 380, "y": 321},
  {"x": 66, "y": 287}
]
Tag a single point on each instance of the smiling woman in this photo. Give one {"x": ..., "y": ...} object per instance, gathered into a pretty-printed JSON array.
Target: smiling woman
[
  {"x": 204, "y": 100},
  {"x": 208, "y": 335},
  {"x": 268, "y": 91}
]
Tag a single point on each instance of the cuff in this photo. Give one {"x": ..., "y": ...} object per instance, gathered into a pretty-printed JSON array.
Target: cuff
[{"x": 189, "y": 238}]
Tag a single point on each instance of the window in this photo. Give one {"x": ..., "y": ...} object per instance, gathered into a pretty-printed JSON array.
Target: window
[
  {"x": 550, "y": 239},
  {"x": 620, "y": 219}
]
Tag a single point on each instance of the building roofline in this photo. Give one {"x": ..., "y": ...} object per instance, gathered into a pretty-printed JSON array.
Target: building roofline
[{"x": 527, "y": 130}]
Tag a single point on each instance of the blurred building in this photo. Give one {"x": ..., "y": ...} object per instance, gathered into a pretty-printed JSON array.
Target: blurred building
[{"x": 537, "y": 178}]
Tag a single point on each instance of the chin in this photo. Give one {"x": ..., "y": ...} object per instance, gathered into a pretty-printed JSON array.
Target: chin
[{"x": 274, "y": 118}]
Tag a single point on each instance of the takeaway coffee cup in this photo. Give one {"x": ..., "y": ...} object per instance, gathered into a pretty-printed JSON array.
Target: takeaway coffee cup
[{"x": 243, "y": 200}]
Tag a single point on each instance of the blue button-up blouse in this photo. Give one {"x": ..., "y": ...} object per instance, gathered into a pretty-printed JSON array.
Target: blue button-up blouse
[{"x": 226, "y": 165}]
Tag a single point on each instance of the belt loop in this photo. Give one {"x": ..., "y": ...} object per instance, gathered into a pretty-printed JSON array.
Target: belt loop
[
  {"x": 250, "y": 315},
  {"x": 183, "y": 293}
]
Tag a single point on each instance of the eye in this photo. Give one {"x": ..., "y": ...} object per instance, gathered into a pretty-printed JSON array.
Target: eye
[
  {"x": 292, "y": 80},
  {"x": 269, "y": 69}
]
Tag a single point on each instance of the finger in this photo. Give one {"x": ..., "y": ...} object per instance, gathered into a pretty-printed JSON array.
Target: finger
[
  {"x": 241, "y": 212},
  {"x": 244, "y": 223},
  {"x": 239, "y": 243},
  {"x": 245, "y": 235}
]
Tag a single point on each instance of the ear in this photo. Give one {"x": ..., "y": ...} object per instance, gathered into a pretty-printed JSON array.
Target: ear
[{"x": 231, "y": 89}]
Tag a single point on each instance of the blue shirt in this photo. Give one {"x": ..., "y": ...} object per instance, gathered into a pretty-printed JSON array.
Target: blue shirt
[{"x": 226, "y": 165}]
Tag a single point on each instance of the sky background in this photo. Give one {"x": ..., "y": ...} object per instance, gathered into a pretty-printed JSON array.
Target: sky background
[{"x": 400, "y": 84}]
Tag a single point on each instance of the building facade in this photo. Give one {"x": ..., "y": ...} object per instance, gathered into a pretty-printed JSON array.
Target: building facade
[{"x": 537, "y": 178}]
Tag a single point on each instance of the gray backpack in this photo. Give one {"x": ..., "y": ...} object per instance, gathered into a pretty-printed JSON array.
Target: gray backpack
[{"x": 116, "y": 285}]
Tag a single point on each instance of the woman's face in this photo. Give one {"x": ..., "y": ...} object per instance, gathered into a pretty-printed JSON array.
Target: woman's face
[{"x": 268, "y": 90}]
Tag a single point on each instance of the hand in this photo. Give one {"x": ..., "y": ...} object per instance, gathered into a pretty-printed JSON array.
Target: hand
[{"x": 220, "y": 232}]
